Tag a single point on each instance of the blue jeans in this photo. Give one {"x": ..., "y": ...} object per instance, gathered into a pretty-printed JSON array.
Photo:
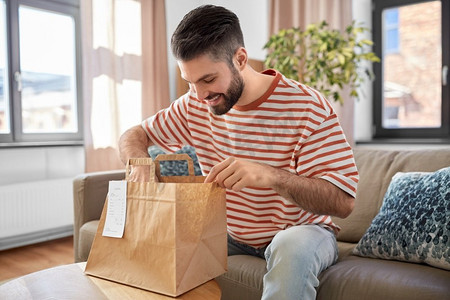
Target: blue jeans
[{"x": 295, "y": 258}]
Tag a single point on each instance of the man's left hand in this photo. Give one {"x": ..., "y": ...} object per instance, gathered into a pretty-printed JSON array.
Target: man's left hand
[{"x": 236, "y": 174}]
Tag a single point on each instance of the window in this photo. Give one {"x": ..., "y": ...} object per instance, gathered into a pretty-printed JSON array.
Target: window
[
  {"x": 411, "y": 90},
  {"x": 4, "y": 93},
  {"x": 40, "y": 94},
  {"x": 390, "y": 31}
]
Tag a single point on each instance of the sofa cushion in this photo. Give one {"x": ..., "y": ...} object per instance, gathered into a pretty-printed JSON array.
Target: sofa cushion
[
  {"x": 176, "y": 168},
  {"x": 373, "y": 167},
  {"x": 86, "y": 237},
  {"x": 414, "y": 222},
  {"x": 345, "y": 249},
  {"x": 356, "y": 278},
  {"x": 376, "y": 168},
  {"x": 244, "y": 279}
]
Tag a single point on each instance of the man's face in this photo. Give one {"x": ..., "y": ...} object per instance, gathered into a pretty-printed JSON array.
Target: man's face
[{"x": 214, "y": 82}]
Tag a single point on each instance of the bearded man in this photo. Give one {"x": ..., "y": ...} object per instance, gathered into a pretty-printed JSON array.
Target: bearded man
[{"x": 275, "y": 145}]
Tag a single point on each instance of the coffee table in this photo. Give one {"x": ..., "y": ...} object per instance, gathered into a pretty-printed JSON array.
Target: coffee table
[{"x": 70, "y": 282}]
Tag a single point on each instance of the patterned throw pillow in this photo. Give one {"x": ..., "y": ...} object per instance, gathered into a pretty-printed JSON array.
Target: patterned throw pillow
[
  {"x": 176, "y": 168},
  {"x": 414, "y": 221}
]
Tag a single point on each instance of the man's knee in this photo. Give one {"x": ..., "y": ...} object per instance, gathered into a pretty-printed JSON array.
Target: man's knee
[
  {"x": 290, "y": 243},
  {"x": 298, "y": 241}
]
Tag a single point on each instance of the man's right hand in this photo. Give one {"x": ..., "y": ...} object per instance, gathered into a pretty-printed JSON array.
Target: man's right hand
[
  {"x": 140, "y": 174},
  {"x": 134, "y": 143}
]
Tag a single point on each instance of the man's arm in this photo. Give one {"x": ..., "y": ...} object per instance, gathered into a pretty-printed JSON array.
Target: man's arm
[
  {"x": 134, "y": 143},
  {"x": 315, "y": 195}
]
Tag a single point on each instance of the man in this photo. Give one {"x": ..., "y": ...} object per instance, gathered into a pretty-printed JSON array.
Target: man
[{"x": 275, "y": 145}]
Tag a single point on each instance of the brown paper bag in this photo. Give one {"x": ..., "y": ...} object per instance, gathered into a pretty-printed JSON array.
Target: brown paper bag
[{"x": 175, "y": 233}]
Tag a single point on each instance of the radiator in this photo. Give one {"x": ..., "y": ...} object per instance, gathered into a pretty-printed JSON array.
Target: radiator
[{"x": 35, "y": 211}]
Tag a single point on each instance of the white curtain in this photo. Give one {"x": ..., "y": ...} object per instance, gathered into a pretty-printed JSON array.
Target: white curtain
[{"x": 125, "y": 76}]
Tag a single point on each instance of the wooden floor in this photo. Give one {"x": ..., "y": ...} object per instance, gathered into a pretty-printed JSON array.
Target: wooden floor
[{"x": 24, "y": 260}]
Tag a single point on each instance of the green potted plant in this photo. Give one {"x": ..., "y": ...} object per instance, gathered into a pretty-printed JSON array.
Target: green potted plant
[{"x": 322, "y": 58}]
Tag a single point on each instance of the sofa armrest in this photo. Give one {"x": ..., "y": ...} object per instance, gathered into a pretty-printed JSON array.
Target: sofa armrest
[{"x": 89, "y": 194}]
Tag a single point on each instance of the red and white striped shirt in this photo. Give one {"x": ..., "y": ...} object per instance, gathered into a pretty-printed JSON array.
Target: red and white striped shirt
[{"x": 292, "y": 127}]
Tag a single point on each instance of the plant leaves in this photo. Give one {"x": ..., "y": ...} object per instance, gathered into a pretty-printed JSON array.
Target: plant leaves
[{"x": 325, "y": 58}]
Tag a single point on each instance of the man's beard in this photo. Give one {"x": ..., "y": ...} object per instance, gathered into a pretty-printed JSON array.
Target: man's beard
[{"x": 232, "y": 95}]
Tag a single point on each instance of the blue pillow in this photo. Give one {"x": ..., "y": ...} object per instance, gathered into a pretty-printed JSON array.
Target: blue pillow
[
  {"x": 414, "y": 221},
  {"x": 176, "y": 168}
]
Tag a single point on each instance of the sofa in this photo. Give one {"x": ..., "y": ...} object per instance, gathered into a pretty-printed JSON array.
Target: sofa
[{"x": 356, "y": 275}]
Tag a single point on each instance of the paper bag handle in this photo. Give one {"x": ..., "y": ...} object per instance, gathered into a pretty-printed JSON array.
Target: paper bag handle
[
  {"x": 142, "y": 161},
  {"x": 165, "y": 157}
]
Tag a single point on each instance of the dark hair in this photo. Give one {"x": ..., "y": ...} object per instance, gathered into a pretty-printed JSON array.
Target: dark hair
[{"x": 207, "y": 29}]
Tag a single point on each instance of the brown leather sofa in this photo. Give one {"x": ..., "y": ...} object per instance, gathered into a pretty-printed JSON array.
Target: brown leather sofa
[{"x": 352, "y": 277}]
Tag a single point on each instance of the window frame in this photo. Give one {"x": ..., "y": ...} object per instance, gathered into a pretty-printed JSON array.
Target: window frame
[
  {"x": 16, "y": 135},
  {"x": 442, "y": 133}
]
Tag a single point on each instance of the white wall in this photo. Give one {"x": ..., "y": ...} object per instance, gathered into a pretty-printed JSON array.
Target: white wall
[
  {"x": 19, "y": 165},
  {"x": 253, "y": 16},
  {"x": 362, "y": 13},
  {"x": 36, "y": 197}
]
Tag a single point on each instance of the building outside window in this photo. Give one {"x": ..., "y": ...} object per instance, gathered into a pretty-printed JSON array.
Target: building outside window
[
  {"x": 411, "y": 98},
  {"x": 40, "y": 93}
]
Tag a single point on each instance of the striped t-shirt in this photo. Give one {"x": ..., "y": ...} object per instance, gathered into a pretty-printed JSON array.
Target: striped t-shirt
[{"x": 291, "y": 127}]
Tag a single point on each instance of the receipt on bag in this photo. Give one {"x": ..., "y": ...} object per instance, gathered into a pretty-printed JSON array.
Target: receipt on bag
[{"x": 117, "y": 209}]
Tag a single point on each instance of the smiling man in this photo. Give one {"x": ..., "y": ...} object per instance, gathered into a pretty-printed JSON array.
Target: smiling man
[{"x": 275, "y": 144}]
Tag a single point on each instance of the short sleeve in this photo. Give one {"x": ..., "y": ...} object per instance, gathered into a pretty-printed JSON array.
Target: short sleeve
[
  {"x": 168, "y": 128},
  {"x": 326, "y": 154}
]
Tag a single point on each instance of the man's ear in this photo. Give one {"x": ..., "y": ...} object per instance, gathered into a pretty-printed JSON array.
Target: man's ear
[{"x": 241, "y": 58}]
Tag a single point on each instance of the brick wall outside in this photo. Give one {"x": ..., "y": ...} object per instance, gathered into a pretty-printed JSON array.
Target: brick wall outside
[{"x": 418, "y": 64}]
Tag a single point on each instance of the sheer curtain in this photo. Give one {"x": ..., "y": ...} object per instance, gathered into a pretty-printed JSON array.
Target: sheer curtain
[
  {"x": 125, "y": 76},
  {"x": 300, "y": 13}
]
